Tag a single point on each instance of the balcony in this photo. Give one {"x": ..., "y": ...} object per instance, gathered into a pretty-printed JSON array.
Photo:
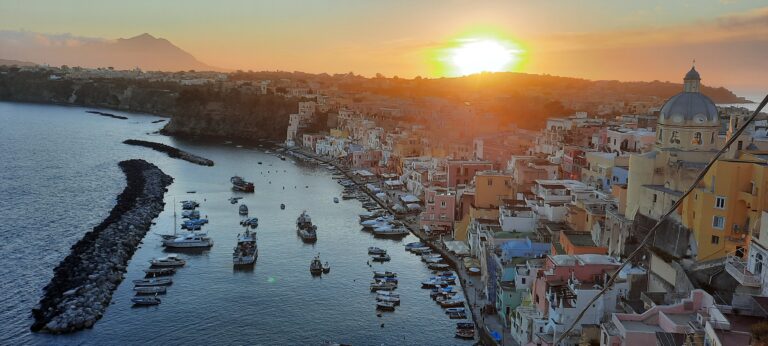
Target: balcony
[{"x": 737, "y": 267}]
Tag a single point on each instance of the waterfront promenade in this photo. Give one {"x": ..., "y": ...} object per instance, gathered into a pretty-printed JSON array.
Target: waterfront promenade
[{"x": 472, "y": 286}]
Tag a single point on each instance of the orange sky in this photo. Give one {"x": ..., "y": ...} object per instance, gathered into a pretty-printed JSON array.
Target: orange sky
[{"x": 592, "y": 39}]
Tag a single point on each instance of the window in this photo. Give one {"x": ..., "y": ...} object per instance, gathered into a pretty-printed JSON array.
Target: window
[
  {"x": 442, "y": 204},
  {"x": 490, "y": 182},
  {"x": 674, "y": 139},
  {"x": 720, "y": 202},
  {"x": 655, "y": 197},
  {"x": 715, "y": 239},
  {"x": 718, "y": 222},
  {"x": 696, "y": 138},
  {"x": 522, "y": 281},
  {"x": 739, "y": 145},
  {"x": 712, "y": 139},
  {"x": 661, "y": 131}
]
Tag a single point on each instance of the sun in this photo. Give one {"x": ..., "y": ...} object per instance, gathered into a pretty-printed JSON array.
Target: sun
[
  {"x": 483, "y": 55},
  {"x": 476, "y": 51}
]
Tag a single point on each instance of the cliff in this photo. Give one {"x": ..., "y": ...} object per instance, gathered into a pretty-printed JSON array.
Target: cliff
[{"x": 203, "y": 112}]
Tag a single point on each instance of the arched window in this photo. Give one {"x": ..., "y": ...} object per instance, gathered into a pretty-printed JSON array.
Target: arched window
[
  {"x": 674, "y": 139},
  {"x": 758, "y": 264},
  {"x": 696, "y": 138},
  {"x": 712, "y": 139},
  {"x": 661, "y": 131}
]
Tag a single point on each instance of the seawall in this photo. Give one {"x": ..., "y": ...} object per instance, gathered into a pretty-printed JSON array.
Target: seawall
[
  {"x": 171, "y": 151},
  {"x": 82, "y": 285}
]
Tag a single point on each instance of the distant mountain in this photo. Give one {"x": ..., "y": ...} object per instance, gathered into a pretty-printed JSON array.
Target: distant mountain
[
  {"x": 144, "y": 51},
  {"x": 19, "y": 63}
]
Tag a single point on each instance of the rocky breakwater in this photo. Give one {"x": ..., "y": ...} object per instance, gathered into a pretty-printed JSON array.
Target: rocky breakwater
[
  {"x": 82, "y": 285},
  {"x": 171, "y": 151}
]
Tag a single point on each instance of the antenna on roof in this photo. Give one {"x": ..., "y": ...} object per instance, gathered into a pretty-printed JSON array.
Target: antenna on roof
[{"x": 694, "y": 62}]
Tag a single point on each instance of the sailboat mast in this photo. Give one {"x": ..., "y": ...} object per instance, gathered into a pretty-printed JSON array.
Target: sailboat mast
[{"x": 174, "y": 215}]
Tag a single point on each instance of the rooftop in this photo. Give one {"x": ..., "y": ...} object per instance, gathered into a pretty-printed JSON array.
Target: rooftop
[{"x": 579, "y": 238}]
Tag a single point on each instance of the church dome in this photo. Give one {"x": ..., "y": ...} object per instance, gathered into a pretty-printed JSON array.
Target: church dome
[{"x": 690, "y": 107}]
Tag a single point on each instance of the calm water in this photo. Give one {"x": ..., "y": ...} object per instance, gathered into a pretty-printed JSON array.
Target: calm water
[{"x": 59, "y": 178}]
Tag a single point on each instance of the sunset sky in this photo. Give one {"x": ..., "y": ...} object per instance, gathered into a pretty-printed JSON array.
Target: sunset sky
[{"x": 639, "y": 40}]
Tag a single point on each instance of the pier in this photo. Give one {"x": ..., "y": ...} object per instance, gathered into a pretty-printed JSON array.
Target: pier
[
  {"x": 82, "y": 285},
  {"x": 171, "y": 151}
]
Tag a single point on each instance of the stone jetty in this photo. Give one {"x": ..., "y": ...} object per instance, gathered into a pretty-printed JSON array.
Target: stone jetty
[
  {"x": 171, "y": 151},
  {"x": 82, "y": 285}
]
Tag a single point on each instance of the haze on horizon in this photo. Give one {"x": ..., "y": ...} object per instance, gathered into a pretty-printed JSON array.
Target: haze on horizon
[{"x": 651, "y": 40}]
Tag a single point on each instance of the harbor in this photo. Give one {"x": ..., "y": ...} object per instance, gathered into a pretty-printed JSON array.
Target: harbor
[{"x": 277, "y": 292}]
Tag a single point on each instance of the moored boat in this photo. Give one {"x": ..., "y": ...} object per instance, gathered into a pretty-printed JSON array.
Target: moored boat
[
  {"x": 246, "y": 251},
  {"x": 149, "y": 289},
  {"x": 243, "y": 209},
  {"x": 383, "y": 286},
  {"x": 316, "y": 266},
  {"x": 380, "y": 258},
  {"x": 389, "y": 306},
  {"x": 450, "y": 303},
  {"x": 376, "y": 251},
  {"x": 168, "y": 261},
  {"x": 384, "y": 274},
  {"x": 191, "y": 240},
  {"x": 326, "y": 268},
  {"x": 239, "y": 184},
  {"x": 153, "y": 282},
  {"x": 305, "y": 229},
  {"x": 438, "y": 266},
  {"x": 465, "y": 330},
  {"x": 389, "y": 299},
  {"x": 145, "y": 300},
  {"x": 153, "y": 272}
]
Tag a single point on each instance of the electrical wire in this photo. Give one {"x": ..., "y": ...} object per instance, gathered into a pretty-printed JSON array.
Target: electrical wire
[{"x": 674, "y": 207}]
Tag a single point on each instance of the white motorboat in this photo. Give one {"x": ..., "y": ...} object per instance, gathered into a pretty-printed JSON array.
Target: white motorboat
[
  {"x": 149, "y": 289},
  {"x": 379, "y": 221},
  {"x": 376, "y": 251},
  {"x": 326, "y": 268},
  {"x": 389, "y": 299},
  {"x": 388, "y": 294},
  {"x": 243, "y": 209},
  {"x": 189, "y": 241},
  {"x": 381, "y": 258},
  {"x": 389, "y": 231},
  {"x": 168, "y": 261},
  {"x": 384, "y": 274}
]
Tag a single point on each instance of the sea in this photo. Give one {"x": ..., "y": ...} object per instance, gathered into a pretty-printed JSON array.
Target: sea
[{"x": 59, "y": 178}]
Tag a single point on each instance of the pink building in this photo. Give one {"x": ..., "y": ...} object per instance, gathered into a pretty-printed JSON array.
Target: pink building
[
  {"x": 361, "y": 159},
  {"x": 558, "y": 269},
  {"x": 681, "y": 318},
  {"x": 462, "y": 172},
  {"x": 439, "y": 209}
]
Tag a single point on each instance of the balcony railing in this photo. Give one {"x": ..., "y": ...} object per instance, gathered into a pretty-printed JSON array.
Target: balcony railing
[{"x": 737, "y": 267}]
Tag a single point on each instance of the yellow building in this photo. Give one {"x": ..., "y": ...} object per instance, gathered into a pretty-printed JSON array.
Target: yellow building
[
  {"x": 724, "y": 211},
  {"x": 339, "y": 133},
  {"x": 490, "y": 189}
]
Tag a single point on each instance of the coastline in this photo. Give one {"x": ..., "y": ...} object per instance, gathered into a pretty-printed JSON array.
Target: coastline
[{"x": 82, "y": 286}]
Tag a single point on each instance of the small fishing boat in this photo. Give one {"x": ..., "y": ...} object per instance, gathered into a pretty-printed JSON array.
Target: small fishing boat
[
  {"x": 388, "y": 299},
  {"x": 326, "y": 268},
  {"x": 305, "y": 229},
  {"x": 414, "y": 245},
  {"x": 145, "y": 301},
  {"x": 153, "y": 282},
  {"x": 433, "y": 283},
  {"x": 390, "y": 232},
  {"x": 239, "y": 184},
  {"x": 243, "y": 210},
  {"x": 457, "y": 315},
  {"x": 465, "y": 330},
  {"x": 438, "y": 266},
  {"x": 388, "y": 294},
  {"x": 189, "y": 205},
  {"x": 152, "y": 272},
  {"x": 376, "y": 251},
  {"x": 388, "y": 306},
  {"x": 316, "y": 266},
  {"x": 168, "y": 261},
  {"x": 421, "y": 250},
  {"x": 246, "y": 251},
  {"x": 149, "y": 289},
  {"x": 380, "y": 258},
  {"x": 383, "y": 286},
  {"x": 282, "y": 206},
  {"x": 252, "y": 222},
  {"x": 384, "y": 274},
  {"x": 190, "y": 214},
  {"x": 451, "y": 303},
  {"x": 452, "y": 310}
]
